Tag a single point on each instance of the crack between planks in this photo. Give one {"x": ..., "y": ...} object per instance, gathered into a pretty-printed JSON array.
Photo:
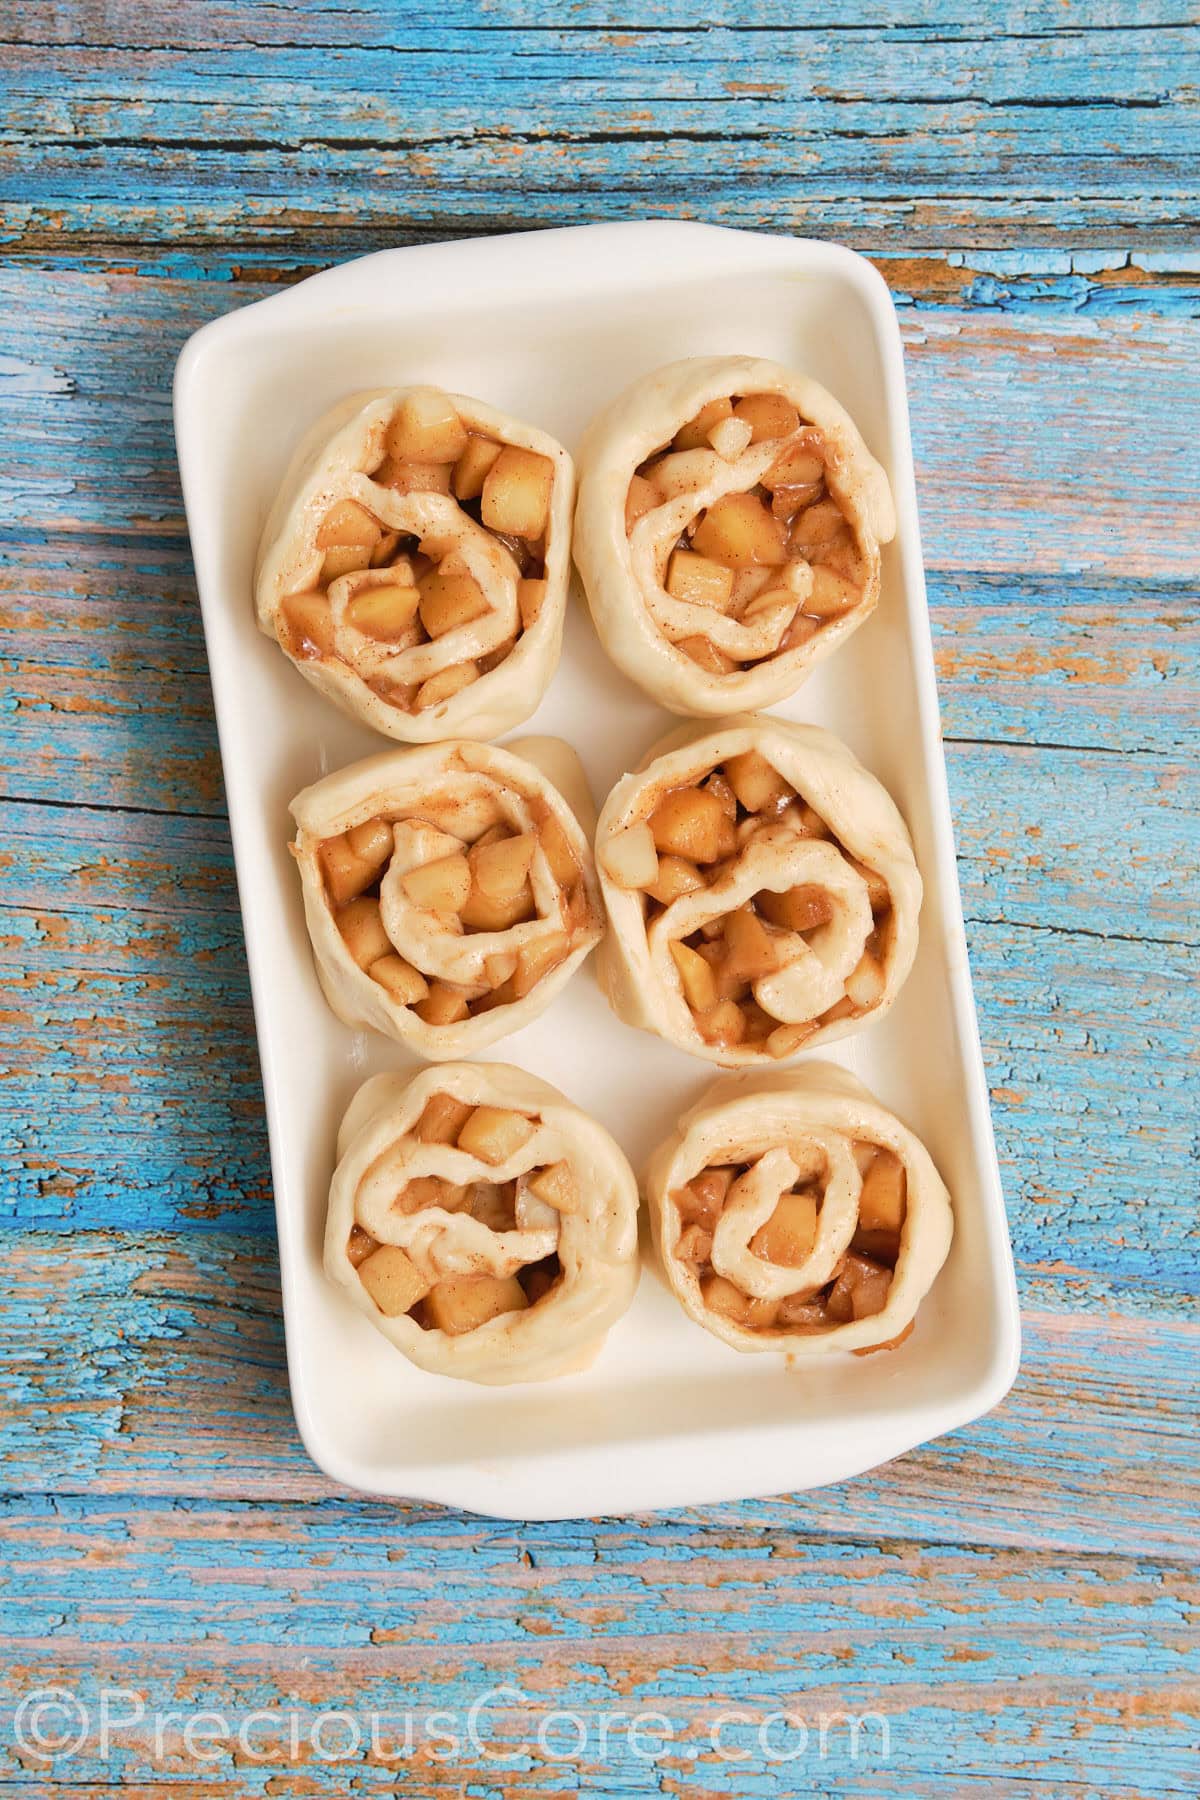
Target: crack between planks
[
  {"x": 107, "y": 806},
  {"x": 1069, "y": 931},
  {"x": 884, "y": 29},
  {"x": 604, "y": 1525},
  {"x": 1151, "y": 755}
]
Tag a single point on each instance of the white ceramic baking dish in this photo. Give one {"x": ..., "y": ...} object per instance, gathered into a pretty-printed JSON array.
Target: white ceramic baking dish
[{"x": 549, "y": 326}]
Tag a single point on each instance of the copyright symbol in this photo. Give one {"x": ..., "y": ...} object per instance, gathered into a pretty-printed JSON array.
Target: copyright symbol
[{"x": 50, "y": 1722}]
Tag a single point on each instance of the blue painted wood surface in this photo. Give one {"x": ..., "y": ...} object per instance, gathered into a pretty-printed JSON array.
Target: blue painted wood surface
[{"x": 1013, "y": 1602}]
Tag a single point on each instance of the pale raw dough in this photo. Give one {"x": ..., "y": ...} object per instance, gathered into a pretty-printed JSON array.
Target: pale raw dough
[
  {"x": 635, "y": 965},
  {"x": 776, "y": 1122},
  {"x": 596, "y": 1244},
  {"x": 622, "y": 570},
  {"x": 332, "y": 464},
  {"x": 453, "y": 789}
]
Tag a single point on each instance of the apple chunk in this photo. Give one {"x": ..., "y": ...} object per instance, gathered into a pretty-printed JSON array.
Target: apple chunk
[
  {"x": 502, "y": 868},
  {"x": 757, "y": 783},
  {"x": 750, "y": 950},
  {"x": 796, "y": 909},
  {"x": 531, "y": 597},
  {"x": 881, "y": 1205},
  {"x": 630, "y": 857},
  {"x": 675, "y": 876},
  {"x": 739, "y": 531},
  {"x": 461, "y": 1303},
  {"x": 448, "y": 601},
  {"x": 398, "y": 978},
  {"x": 440, "y": 886},
  {"x": 516, "y": 493},
  {"x": 350, "y": 863},
  {"x": 445, "y": 684},
  {"x": 556, "y": 1185},
  {"x": 768, "y": 416},
  {"x": 383, "y": 612},
  {"x": 425, "y": 428},
  {"x": 694, "y": 435},
  {"x": 729, "y": 1302},
  {"x": 392, "y": 1280},
  {"x": 696, "y": 579},
  {"x": 696, "y": 976},
  {"x": 860, "y": 1291},
  {"x": 537, "y": 959},
  {"x": 348, "y": 523},
  {"x": 689, "y": 822},
  {"x": 493, "y": 1134},
  {"x": 309, "y": 624},
  {"x": 442, "y": 1119},
  {"x": 471, "y": 469},
  {"x": 361, "y": 926},
  {"x": 442, "y": 1005},
  {"x": 789, "y": 1234}
]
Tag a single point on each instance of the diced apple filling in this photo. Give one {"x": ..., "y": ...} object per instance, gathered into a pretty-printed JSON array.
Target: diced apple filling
[
  {"x": 462, "y": 1303},
  {"x": 347, "y": 523},
  {"x": 484, "y": 884},
  {"x": 557, "y": 1186},
  {"x": 729, "y": 1302},
  {"x": 426, "y": 428},
  {"x": 442, "y": 1119},
  {"x": 789, "y": 1234},
  {"x": 361, "y": 925},
  {"x": 739, "y": 531},
  {"x": 359, "y": 1245},
  {"x": 860, "y": 1282},
  {"x": 786, "y": 529},
  {"x": 516, "y": 493},
  {"x": 392, "y": 1280},
  {"x": 631, "y": 857},
  {"x": 690, "y": 822},
  {"x": 308, "y": 623},
  {"x": 445, "y": 684},
  {"x": 450, "y": 600},
  {"x": 472, "y": 467},
  {"x": 493, "y": 1134},
  {"x": 386, "y": 613},
  {"x": 691, "y": 833},
  {"x": 695, "y": 578},
  {"x": 695, "y": 434},
  {"x": 353, "y": 862},
  {"x": 442, "y": 1005}
]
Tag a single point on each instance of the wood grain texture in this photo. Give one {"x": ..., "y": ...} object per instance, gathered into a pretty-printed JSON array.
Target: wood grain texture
[
  {"x": 1015, "y": 1600},
  {"x": 626, "y": 1622},
  {"x": 165, "y": 1376},
  {"x": 346, "y": 116}
]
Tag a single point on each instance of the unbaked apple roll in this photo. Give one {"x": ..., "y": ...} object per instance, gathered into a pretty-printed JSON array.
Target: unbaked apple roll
[
  {"x": 415, "y": 565},
  {"x": 449, "y": 891},
  {"x": 791, "y": 1211},
  {"x": 728, "y": 531},
  {"x": 482, "y": 1222},
  {"x": 761, "y": 889}
]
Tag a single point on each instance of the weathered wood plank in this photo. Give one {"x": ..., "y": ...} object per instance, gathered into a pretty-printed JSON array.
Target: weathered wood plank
[
  {"x": 917, "y": 125},
  {"x": 1111, "y": 667},
  {"x": 154, "y": 1364},
  {"x": 1044, "y": 1671},
  {"x": 221, "y": 24},
  {"x": 1081, "y": 1678},
  {"x": 87, "y": 411}
]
